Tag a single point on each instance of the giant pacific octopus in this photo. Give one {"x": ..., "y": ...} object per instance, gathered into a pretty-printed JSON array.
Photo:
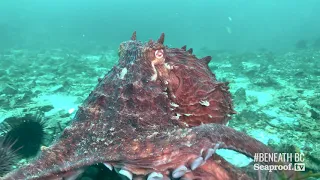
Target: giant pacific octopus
[{"x": 159, "y": 114}]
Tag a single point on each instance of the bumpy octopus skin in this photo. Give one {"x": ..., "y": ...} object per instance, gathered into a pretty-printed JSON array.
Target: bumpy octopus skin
[{"x": 158, "y": 114}]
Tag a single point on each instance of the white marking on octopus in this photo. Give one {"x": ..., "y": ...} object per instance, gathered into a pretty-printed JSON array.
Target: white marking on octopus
[
  {"x": 186, "y": 124},
  {"x": 159, "y": 54},
  {"x": 168, "y": 66},
  {"x": 210, "y": 116},
  {"x": 154, "y": 76},
  {"x": 187, "y": 114},
  {"x": 204, "y": 103},
  {"x": 152, "y": 135},
  {"x": 174, "y": 104},
  {"x": 177, "y": 116},
  {"x": 123, "y": 73}
]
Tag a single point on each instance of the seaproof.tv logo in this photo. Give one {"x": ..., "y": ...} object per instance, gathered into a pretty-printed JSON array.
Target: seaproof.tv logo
[
  {"x": 279, "y": 162},
  {"x": 299, "y": 167},
  {"x": 278, "y": 167}
]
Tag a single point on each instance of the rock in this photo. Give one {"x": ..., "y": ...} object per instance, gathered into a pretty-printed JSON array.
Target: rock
[
  {"x": 250, "y": 69},
  {"x": 9, "y": 90},
  {"x": 315, "y": 114},
  {"x": 313, "y": 161},
  {"x": 266, "y": 81},
  {"x": 314, "y": 102},
  {"x": 248, "y": 116},
  {"x": 240, "y": 97},
  {"x": 56, "y": 88},
  {"x": 2, "y": 73},
  {"x": 46, "y": 108},
  {"x": 63, "y": 114},
  {"x": 314, "y": 134}
]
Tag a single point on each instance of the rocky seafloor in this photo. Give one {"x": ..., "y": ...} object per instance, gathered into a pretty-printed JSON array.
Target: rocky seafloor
[{"x": 276, "y": 96}]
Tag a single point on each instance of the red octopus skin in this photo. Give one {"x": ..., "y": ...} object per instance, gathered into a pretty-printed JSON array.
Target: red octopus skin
[{"x": 154, "y": 111}]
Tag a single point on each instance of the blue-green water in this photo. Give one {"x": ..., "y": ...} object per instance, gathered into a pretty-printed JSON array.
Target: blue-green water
[
  {"x": 53, "y": 52},
  {"x": 219, "y": 24}
]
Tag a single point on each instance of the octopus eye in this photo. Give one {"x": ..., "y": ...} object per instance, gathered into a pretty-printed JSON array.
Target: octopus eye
[{"x": 159, "y": 53}]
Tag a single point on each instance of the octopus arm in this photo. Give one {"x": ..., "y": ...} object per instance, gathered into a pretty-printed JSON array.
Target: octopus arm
[{"x": 166, "y": 151}]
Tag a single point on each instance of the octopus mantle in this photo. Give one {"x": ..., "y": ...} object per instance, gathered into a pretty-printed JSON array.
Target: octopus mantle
[{"x": 159, "y": 113}]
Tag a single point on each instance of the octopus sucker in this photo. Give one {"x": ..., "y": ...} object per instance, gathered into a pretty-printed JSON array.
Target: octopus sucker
[{"x": 158, "y": 114}]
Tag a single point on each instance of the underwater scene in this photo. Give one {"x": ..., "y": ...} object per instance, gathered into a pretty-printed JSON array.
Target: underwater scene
[{"x": 159, "y": 90}]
